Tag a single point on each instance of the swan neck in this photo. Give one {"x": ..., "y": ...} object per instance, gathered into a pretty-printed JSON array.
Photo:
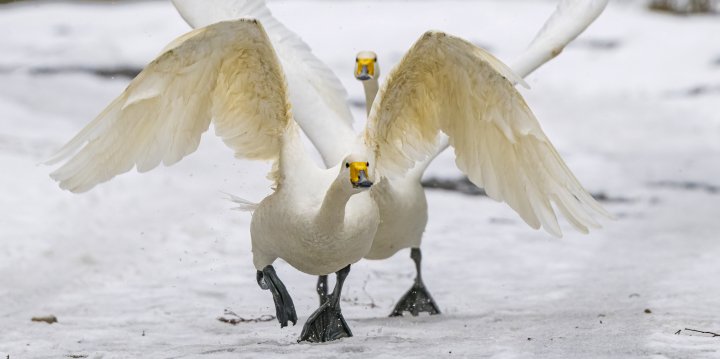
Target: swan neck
[
  {"x": 332, "y": 211},
  {"x": 371, "y": 89}
]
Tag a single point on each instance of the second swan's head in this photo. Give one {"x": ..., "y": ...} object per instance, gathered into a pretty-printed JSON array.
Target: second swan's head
[
  {"x": 366, "y": 66},
  {"x": 356, "y": 168}
]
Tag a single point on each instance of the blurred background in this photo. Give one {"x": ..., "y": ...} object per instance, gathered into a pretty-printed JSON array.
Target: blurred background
[{"x": 144, "y": 265}]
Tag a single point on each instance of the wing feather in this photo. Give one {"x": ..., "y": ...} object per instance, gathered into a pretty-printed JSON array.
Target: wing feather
[
  {"x": 570, "y": 19},
  {"x": 318, "y": 98},
  {"x": 445, "y": 84},
  {"x": 226, "y": 73}
]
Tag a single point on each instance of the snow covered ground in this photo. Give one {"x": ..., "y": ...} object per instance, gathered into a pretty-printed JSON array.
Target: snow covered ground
[{"x": 143, "y": 266}]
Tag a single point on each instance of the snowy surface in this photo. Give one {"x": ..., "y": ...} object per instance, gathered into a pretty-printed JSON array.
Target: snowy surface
[{"x": 144, "y": 265}]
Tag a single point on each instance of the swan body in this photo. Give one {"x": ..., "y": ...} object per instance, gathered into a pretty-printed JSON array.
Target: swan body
[
  {"x": 324, "y": 224},
  {"x": 318, "y": 220},
  {"x": 403, "y": 212}
]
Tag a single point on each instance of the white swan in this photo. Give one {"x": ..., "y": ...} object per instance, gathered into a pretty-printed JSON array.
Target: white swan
[
  {"x": 403, "y": 206},
  {"x": 318, "y": 220}
]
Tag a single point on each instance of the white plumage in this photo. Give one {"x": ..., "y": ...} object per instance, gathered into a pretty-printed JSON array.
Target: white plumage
[
  {"x": 445, "y": 84},
  {"x": 321, "y": 220},
  {"x": 318, "y": 98},
  {"x": 216, "y": 73},
  {"x": 227, "y": 74},
  {"x": 571, "y": 17}
]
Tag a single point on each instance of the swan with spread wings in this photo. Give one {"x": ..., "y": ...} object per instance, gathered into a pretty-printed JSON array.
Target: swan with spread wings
[{"x": 323, "y": 220}]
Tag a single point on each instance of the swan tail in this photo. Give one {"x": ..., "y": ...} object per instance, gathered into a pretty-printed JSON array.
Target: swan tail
[{"x": 244, "y": 205}]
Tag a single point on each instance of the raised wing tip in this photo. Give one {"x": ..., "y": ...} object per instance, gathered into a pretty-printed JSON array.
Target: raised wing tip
[{"x": 598, "y": 6}]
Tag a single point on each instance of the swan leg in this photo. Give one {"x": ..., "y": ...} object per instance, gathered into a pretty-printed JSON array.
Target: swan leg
[
  {"x": 417, "y": 299},
  {"x": 327, "y": 323},
  {"x": 284, "y": 307},
  {"x": 322, "y": 289}
]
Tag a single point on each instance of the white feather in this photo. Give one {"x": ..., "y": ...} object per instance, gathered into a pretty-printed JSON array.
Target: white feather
[
  {"x": 570, "y": 19},
  {"x": 217, "y": 73},
  {"x": 243, "y": 205},
  {"x": 318, "y": 98},
  {"x": 446, "y": 84}
]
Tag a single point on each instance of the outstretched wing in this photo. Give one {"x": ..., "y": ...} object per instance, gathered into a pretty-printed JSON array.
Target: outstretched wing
[
  {"x": 226, "y": 73},
  {"x": 571, "y": 17},
  {"x": 446, "y": 84},
  {"x": 318, "y": 98}
]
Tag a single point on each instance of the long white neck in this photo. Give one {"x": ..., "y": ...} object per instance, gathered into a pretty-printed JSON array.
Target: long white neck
[
  {"x": 371, "y": 89},
  {"x": 332, "y": 212}
]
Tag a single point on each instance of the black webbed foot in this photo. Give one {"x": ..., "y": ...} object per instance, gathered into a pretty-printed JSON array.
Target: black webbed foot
[
  {"x": 417, "y": 300},
  {"x": 284, "y": 307},
  {"x": 327, "y": 323}
]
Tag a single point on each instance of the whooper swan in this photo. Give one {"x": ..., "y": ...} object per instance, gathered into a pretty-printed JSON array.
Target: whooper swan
[
  {"x": 318, "y": 220},
  {"x": 403, "y": 206}
]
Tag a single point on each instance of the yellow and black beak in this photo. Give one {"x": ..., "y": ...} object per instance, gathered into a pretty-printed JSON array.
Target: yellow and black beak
[
  {"x": 358, "y": 175},
  {"x": 365, "y": 68}
]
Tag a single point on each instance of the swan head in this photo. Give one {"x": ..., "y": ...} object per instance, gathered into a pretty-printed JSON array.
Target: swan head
[
  {"x": 366, "y": 66},
  {"x": 356, "y": 169}
]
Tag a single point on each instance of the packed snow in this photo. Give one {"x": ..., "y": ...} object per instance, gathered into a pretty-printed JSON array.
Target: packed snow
[{"x": 143, "y": 266}]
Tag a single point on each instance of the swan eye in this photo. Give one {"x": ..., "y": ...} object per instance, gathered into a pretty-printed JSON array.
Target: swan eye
[
  {"x": 367, "y": 164},
  {"x": 347, "y": 165}
]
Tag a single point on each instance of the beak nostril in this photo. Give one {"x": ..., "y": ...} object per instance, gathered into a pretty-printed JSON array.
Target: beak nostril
[{"x": 363, "y": 181}]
